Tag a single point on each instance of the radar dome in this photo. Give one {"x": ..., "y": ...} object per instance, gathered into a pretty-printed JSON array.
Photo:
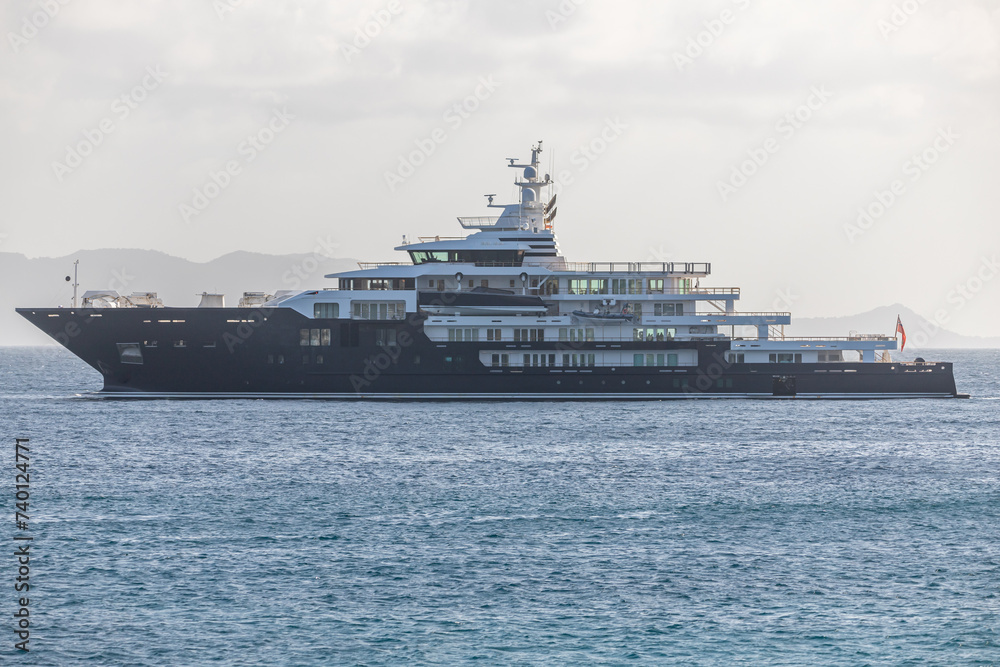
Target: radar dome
[{"x": 529, "y": 172}]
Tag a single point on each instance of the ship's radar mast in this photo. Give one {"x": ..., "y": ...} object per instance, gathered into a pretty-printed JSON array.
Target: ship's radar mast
[{"x": 532, "y": 213}]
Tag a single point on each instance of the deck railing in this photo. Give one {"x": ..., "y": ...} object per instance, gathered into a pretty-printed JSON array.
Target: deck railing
[{"x": 676, "y": 268}]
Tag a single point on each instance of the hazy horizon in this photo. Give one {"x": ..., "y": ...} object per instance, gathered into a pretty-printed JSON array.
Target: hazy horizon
[{"x": 828, "y": 157}]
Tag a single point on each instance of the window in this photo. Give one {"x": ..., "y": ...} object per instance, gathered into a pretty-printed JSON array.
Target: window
[
  {"x": 538, "y": 360},
  {"x": 656, "y": 285},
  {"x": 652, "y": 334},
  {"x": 526, "y": 335},
  {"x": 314, "y": 337},
  {"x": 483, "y": 257},
  {"x": 305, "y": 359},
  {"x": 484, "y": 283},
  {"x": 493, "y": 334},
  {"x": 379, "y": 310},
  {"x": 588, "y": 286},
  {"x": 735, "y": 357},
  {"x": 326, "y": 311},
  {"x": 319, "y": 358},
  {"x": 463, "y": 335},
  {"x": 671, "y": 359},
  {"x": 784, "y": 357},
  {"x": 500, "y": 360},
  {"x": 637, "y": 359},
  {"x": 270, "y": 358},
  {"x": 385, "y": 337},
  {"x": 511, "y": 282},
  {"x": 668, "y": 309},
  {"x": 472, "y": 283}
]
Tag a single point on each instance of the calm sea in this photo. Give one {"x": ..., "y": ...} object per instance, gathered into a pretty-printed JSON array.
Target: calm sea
[{"x": 322, "y": 532}]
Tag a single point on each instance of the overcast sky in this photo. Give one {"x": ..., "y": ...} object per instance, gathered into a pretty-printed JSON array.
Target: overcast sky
[{"x": 746, "y": 133}]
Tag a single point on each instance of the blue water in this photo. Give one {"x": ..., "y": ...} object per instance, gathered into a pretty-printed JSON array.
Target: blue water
[{"x": 321, "y": 532}]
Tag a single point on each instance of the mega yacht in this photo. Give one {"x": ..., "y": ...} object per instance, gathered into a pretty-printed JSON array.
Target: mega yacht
[{"x": 497, "y": 313}]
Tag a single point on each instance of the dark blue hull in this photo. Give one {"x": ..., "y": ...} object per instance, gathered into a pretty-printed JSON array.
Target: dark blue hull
[{"x": 244, "y": 352}]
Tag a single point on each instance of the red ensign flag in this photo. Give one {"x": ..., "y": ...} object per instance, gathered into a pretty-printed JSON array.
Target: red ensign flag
[{"x": 901, "y": 332}]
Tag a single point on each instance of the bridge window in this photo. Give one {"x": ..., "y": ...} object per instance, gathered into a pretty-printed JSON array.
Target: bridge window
[{"x": 486, "y": 257}]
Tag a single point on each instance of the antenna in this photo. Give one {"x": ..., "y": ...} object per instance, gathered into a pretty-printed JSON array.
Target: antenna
[
  {"x": 76, "y": 283},
  {"x": 490, "y": 197}
]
